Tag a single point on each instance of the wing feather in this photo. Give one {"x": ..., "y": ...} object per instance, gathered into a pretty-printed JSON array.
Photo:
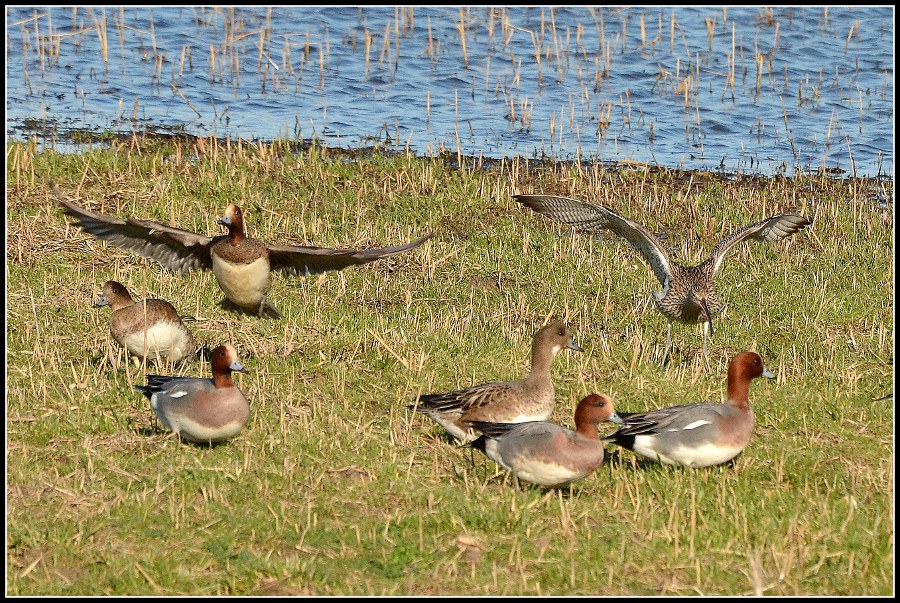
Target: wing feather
[
  {"x": 176, "y": 249},
  {"x": 464, "y": 400},
  {"x": 769, "y": 230},
  {"x": 297, "y": 260},
  {"x": 588, "y": 216}
]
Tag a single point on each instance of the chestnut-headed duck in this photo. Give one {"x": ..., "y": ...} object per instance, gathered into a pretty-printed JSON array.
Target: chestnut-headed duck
[
  {"x": 688, "y": 294},
  {"x": 242, "y": 266},
  {"x": 149, "y": 329},
  {"x": 197, "y": 409},
  {"x": 699, "y": 434},
  {"x": 544, "y": 453},
  {"x": 530, "y": 399}
]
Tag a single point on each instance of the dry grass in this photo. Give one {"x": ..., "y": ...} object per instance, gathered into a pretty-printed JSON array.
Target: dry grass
[{"x": 334, "y": 489}]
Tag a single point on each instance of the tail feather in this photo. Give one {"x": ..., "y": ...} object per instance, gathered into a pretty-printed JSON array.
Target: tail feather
[{"x": 479, "y": 443}]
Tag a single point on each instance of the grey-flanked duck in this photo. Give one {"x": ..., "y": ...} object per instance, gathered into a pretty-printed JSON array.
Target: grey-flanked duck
[
  {"x": 547, "y": 454},
  {"x": 700, "y": 434},
  {"x": 197, "y": 409}
]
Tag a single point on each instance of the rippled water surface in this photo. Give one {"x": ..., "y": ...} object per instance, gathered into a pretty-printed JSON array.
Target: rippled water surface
[{"x": 741, "y": 89}]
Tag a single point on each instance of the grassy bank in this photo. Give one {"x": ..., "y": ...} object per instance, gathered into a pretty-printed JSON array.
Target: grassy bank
[{"x": 335, "y": 489}]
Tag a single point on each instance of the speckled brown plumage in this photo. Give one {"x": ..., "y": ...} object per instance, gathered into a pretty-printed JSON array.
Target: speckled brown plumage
[
  {"x": 530, "y": 399},
  {"x": 151, "y": 328},
  {"x": 688, "y": 294}
]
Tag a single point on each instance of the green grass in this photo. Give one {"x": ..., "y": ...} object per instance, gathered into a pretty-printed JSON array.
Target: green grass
[{"x": 334, "y": 488}]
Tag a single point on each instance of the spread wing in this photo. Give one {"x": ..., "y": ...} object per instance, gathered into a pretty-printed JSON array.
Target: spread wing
[
  {"x": 769, "y": 230},
  {"x": 295, "y": 260},
  {"x": 176, "y": 249},
  {"x": 588, "y": 216}
]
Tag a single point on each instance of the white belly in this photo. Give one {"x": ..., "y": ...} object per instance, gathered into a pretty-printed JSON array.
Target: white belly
[
  {"x": 167, "y": 339},
  {"x": 244, "y": 284},
  {"x": 448, "y": 422},
  {"x": 543, "y": 473},
  {"x": 180, "y": 421},
  {"x": 198, "y": 433},
  {"x": 702, "y": 456}
]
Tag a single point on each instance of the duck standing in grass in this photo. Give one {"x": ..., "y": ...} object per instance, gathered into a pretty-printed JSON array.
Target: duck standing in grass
[
  {"x": 197, "y": 409},
  {"x": 699, "y": 434},
  {"x": 688, "y": 294},
  {"x": 530, "y": 399},
  {"x": 148, "y": 329},
  {"x": 242, "y": 266},
  {"x": 544, "y": 453}
]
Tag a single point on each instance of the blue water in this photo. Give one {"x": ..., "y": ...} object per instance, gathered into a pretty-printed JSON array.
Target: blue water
[{"x": 572, "y": 83}]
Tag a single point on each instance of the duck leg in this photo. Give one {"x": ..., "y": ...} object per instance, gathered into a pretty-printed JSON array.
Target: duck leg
[{"x": 267, "y": 310}]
